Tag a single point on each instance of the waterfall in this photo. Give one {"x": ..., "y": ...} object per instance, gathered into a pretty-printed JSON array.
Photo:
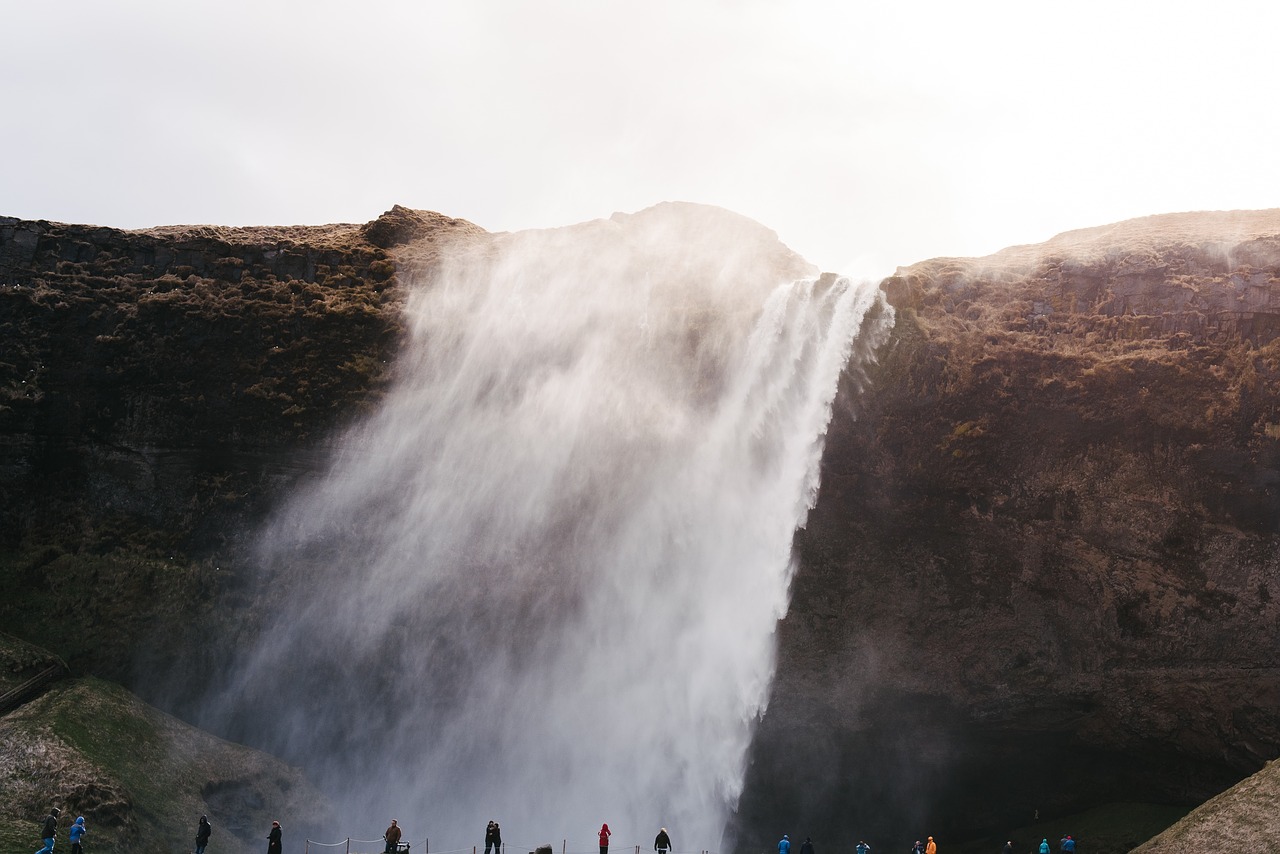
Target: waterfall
[{"x": 540, "y": 583}]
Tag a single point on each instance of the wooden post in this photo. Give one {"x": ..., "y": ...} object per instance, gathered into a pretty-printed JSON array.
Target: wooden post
[{"x": 348, "y": 845}]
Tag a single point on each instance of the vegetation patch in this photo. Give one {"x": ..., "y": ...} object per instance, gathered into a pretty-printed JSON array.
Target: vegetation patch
[{"x": 141, "y": 778}]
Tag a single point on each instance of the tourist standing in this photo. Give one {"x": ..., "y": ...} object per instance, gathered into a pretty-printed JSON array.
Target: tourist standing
[
  {"x": 274, "y": 844},
  {"x": 493, "y": 838},
  {"x": 662, "y": 842},
  {"x": 807, "y": 846},
  {"x": 203, "y": 831},
  {"x": 78, "y": 830},
  {"x": 863, "y": 847},
  {"x": 784, "y": 845},
  {"x": 931, "y": 847},
  {"x": 392, "y": 836},
  {"x": 918, "y": 848},
  {"x": 604, "y": 839}
]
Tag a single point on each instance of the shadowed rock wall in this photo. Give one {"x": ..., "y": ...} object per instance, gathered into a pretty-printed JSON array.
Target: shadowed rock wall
[
  {"x": 158, "y": 389},
  {"x": 1043, "y": 569}
]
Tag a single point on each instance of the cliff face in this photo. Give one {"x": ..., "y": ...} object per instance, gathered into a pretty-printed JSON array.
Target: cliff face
[
  {"x": 157, "y": 389},
  {"x": 1042, "y": 571}
]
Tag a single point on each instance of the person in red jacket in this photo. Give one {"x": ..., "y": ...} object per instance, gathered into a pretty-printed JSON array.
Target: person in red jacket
[{"x": 604, "y": 839}]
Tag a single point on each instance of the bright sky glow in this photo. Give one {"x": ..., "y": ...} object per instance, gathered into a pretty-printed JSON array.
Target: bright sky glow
[{"x": 865, "y": 134}]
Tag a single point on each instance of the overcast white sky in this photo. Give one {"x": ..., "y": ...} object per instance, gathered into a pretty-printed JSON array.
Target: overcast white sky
[{"x": 871, "y": 134}]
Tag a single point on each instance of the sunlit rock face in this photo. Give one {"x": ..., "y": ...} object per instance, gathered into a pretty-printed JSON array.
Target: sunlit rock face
[
  {"x": 1040, "y": 572},
  {"x": 541, "y": 582},
  {"x": 1043, "y": 569}
]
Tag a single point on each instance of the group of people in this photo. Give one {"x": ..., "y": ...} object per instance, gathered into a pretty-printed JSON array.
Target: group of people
[
  {"x": 493, "y": 839},
  {"x": 784, "y": 846},
  {"x": 1066, "y": 845},
  {"x": 76, "y": 834},
  {"x": 49, "y": 833}
]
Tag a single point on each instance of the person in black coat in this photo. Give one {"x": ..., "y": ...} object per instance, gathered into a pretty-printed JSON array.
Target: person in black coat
[
  {"x": 49, "y": 831},
  {"x": 203, "y": 832},
  {"x": 273, "y": 839},
  {"x": 493, "y": 838}
]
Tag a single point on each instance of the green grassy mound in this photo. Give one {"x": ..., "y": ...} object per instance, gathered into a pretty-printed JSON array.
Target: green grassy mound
[
  {"x": 141, "y": 778},
  {"x": 1109, "y": 829},
  {"x": 1245, "y": 817}
]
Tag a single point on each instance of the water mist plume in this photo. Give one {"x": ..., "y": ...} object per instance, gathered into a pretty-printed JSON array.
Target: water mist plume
[{"x": 541, "y": 583}]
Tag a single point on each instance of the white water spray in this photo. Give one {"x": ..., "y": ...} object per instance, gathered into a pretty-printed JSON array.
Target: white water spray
[{"x": 541, "y": 583}]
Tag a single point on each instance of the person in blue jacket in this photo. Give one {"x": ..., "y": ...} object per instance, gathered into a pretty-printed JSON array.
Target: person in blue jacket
[
  {"x": 1044, "y": 845},
  {"x": 784, "y": 845},
  {"x": 78, "y": 830},
  {"x": 863, "y": 847}
]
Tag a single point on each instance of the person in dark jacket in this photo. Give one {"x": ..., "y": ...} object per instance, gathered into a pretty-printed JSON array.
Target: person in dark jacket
[
  {"x": 392, "y": 836},
  {"x": 1008, "y": 848},
  {"x": 274, "y": 845},
  {"x": 493, "y": 838},
  {"x": 807, "y": 846},
  {"x": 203, "y": 831},
  {"x": 78, "y": 830},
  {"x": 918, "y": 848},
  {"x": 49, "y": 832},
  {"x": 662, "y": 842}
]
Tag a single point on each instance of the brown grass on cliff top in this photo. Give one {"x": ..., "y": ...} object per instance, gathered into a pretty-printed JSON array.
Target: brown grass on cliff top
[{"x": 1200, "y": 228}]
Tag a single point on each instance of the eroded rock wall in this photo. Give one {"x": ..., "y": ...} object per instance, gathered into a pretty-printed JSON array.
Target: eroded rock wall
[
  {"x": 1043, "y": 568},
  {"x": 158, "y": 389}
]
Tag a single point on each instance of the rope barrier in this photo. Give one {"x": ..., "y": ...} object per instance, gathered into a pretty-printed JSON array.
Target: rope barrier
[{"x": 507, "y": 847}]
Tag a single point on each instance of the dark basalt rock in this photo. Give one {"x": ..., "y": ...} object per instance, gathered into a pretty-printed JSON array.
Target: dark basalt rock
[
  {"x": 158, "y": 390},
  {"x": 1042, "y": 571}
]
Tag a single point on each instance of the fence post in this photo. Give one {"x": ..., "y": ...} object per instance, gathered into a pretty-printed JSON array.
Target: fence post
[
  {"x": 348, "y": 845},
  {"x": 564, "y": 843},
  {"x": 306, "y": 849}
]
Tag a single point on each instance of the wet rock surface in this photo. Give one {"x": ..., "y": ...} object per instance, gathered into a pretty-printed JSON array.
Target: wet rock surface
[
  {"x": 158, "y": 390},
  {"x": 1042, "y": 571}
]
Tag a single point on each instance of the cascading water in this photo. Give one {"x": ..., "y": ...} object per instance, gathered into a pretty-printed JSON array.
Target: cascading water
[{"x": 541, "y": 583}]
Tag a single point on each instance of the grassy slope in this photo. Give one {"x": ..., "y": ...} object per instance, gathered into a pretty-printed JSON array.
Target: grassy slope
[
  {"x": 140, "y": 777},
  {"x": 1110, "y": 829},
  {"x": 1246, "y": 817}
]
